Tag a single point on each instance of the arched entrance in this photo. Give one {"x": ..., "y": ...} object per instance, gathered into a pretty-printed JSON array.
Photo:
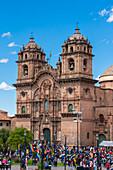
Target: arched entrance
[
  {"x": 47, "y": 136},
  {"x": 101, "y": 138}
]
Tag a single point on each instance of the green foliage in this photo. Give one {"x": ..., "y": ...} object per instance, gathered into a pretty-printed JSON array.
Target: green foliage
[
  {"x": 39, "y": 165},
  {"x": 4, "y": 134},
  {"x": 17, "y": 136}
]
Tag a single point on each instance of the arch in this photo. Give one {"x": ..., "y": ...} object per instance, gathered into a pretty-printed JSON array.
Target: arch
[
  {"x": 85, "y": 64},
  {"x": 37, "y": 56},
  {"x": 70, "y": 108},
  {"x": 25, "y": 70},
  {"x": 101, "y": 118},
  {"x": 87, "y": 135},
  {"x": 71, "y": 49},
  {"x": 23, "y": 110},
  {"x": 101, "y": 138},
  {"x": 46, "y": 105},
  {"x": 71, "y": 64},
  {"x": 25, "y": 56},
  {"x": 47, "y": 135}
]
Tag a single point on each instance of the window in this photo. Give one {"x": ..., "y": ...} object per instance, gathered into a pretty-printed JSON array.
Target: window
[
  {"x": 7, "y": 124},
  {"x": 71, "y": 64},
  {"x": 85, "y": 64},
  {"x": 37, "y": 56},
  {"x": 70, "y": 90},
  {"x": 1, "y": 124},
  {"x": 25, "y": 56},
  {"x": 88, "y": 135},
  {"x": 26, "y": 70},
  {"x": 46, "y": 104},
  {"x": 23, "y": 94},
  {"x": 70, "y": 108},
  {"x": 101, "y": 118},
  {"x": 71, "y": 49},
  {"x": 23, "y": 109},
  {"x": 85, "y": 49},
  {"x": 59, "y": 105},
  {"x": 36, "y": 105}
]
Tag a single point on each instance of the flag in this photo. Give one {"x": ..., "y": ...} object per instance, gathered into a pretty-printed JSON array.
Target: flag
[
  {"x": 50, "y": 54},
  {"x": 38, "y": 142},
  {"x": 57, "y": 143},
  {"x": 52, "y": 143},
  {"x": 38, "y": 154},
  {"x": 19, "y": 146},
  {"x": 31, "y": 147},
  {"x": 45, "y": 142}
]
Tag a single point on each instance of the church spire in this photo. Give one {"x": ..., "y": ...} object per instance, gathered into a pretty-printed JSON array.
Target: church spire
[
  {"x": 31, "y": 37},
  {"x": 77, "y": 29}
]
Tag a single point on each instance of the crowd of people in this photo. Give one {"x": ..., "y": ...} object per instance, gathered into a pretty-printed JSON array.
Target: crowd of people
[{"x": 86, "y": 157}]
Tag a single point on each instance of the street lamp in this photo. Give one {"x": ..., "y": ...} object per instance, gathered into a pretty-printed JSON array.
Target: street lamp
[
  {"x": 77, "y": 120},
  {"x": 42, "y": 139},
  {"x": 24, "y": 148},
  {"x": 65, "y": 153},
  {"x": 97, "y": 138}
]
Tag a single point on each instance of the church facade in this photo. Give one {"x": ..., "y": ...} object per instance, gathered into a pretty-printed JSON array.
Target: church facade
[{"x": 47, "y": 97}]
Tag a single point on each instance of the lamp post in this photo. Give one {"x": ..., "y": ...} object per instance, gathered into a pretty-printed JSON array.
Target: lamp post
[
  {"x": 97, "y": 138},
  {"x": 77, "y": 120},
  {"x": 24, "y": 149},
  {"x": 65, "y": 152},
  {"x": 42, "y": 139}
]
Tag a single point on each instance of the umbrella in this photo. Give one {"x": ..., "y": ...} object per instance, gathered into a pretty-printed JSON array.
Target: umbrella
[{"x": 4, "y": 161}]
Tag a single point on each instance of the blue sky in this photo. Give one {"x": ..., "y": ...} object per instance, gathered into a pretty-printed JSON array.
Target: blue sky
[{"x": 51, "y": 22}]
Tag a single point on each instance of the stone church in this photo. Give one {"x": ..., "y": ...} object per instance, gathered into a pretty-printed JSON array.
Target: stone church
[{"x": 47, "y": 96}]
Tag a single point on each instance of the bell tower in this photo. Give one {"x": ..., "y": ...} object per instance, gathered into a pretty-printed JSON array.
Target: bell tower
[
  {"x": 77, "y": 57},
  {"x": 30, "y": 60}
]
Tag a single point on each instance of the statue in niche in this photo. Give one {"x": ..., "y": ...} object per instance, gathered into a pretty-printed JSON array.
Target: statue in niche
[{"x": 46, "y": 87}]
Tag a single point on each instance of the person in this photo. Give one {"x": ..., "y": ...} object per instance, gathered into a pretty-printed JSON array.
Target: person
[
  {"x": 46, "y": 165},
  {"x": 107, "y": 165}
]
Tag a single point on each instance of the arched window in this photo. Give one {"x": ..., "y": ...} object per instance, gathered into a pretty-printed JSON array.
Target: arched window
[
  {"x": 23, "y": 110},
  {"x": 25, "y": 56},
  {"x": 46, "y": 104},
  {"x": 70, "y": 108},
  {"x": 37, "y": 56},
  {"x": 59, "y": 105},
  {"x": 71, "y": 49},
  {"x": 25, "y": 70},
  {"x": 85, "y": 64},
  {"x": 71, "y": 64},
  {"x": 101, "y": 118},
  {"x": 85, "y": 49},
  {"x": 36, "y": 105},
  {"x": 88, "y": 135}
]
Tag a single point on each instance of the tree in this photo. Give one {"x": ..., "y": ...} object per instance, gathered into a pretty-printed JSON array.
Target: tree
[
  {"x": 17, "y": 136},
  {"x": 4, "y": 134}
]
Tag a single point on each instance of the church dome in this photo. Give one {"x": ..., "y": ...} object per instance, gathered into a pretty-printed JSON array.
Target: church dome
[
  {"x": 108, "y": 71},
  {"x": 77, "y": 35},
  {"x": 106, "y": 79},
  {"x": 31, "y": 45}
]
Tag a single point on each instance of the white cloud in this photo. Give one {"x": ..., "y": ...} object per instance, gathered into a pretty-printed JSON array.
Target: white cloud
[
  {"x": 110, "y": 19},
  {"x": 13, "y": 45},
  {"x": 5, "y": 86},
  {"x": 97, "y": 78},
  {"x": 13, "y": 52},
  {"x": 4, "y": 60},
  {"x": 57, "y": 54},
  {"x": 107, "y": 42},
  {"x": 103, "y": 12},
  {"x": 8, "y": 34}
]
